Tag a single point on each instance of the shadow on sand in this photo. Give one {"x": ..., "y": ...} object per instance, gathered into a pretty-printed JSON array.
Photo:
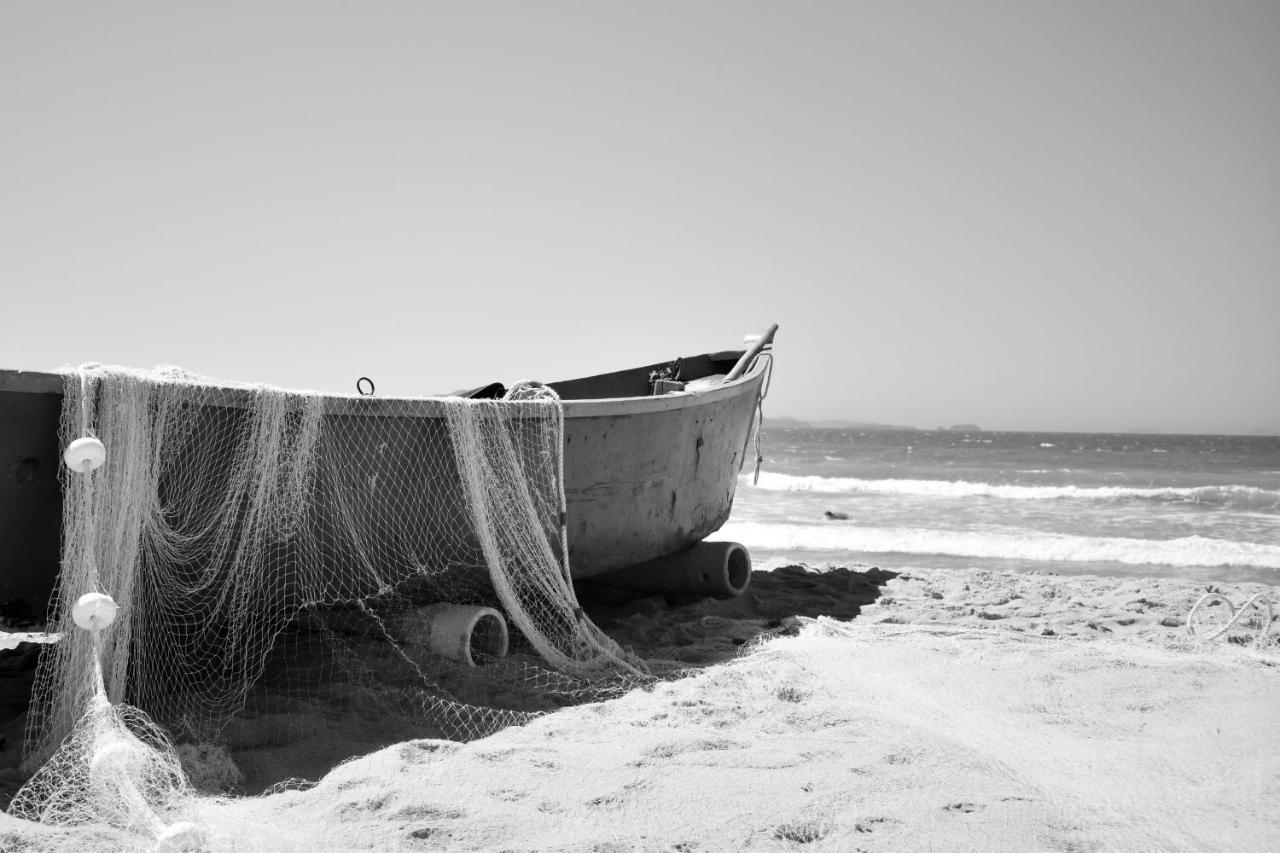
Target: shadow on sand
[
  {"x": 704, "y": 631},
  {"x": 305, "y": 737}
]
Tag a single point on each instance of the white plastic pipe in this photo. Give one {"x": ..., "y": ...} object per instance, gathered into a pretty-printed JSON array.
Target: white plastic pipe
[
  {"x": 719, "y": 569},
  {"x": 463, "y": 632}
]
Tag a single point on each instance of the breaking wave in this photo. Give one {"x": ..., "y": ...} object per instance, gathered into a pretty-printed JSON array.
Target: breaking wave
[
  {"x": 1235, "y": 497},
  {"x": 1025, "y": 545}
]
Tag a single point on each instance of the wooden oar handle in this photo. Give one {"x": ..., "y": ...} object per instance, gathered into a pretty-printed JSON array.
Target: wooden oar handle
[{"x": 749, "y": 356}]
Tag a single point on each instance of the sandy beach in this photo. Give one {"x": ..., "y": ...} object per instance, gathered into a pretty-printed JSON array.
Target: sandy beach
[{"x": 834, "y": 708}]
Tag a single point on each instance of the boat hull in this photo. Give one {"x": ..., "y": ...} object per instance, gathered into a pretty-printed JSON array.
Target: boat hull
[
  {"x": 645, "y": 476},
  {"x": 642, "y": 482}
]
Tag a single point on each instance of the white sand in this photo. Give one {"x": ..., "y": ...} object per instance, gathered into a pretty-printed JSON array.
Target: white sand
[{"x": 964, "y": 711}]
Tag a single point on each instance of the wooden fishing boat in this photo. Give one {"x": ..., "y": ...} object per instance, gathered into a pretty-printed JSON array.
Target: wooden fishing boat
[{"x": 652, "y": 457}]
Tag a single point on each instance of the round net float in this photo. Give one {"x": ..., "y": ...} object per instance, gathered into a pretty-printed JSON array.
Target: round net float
[
  {"x": 94, "y": 611},
  {"x": 82, "y": 451}
]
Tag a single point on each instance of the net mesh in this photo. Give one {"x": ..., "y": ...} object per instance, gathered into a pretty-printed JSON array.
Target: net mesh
[{"x": 279, "y": 561}]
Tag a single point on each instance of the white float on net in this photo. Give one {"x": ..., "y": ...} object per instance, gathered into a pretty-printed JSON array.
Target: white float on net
[
  {"x": 85, "y": 450},
  {"x": 94, "y": 611}
]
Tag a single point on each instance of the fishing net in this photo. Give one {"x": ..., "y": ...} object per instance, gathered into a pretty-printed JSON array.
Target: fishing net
[{"x": 296, "y": 579}]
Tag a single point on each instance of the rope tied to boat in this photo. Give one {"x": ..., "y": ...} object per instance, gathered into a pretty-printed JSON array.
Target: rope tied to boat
[{"x": 764, "y": 392}]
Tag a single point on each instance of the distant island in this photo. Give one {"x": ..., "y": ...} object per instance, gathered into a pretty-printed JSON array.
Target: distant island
[
  {"x": 787, "y": 422},
  {"x": 796, "y": 423}
]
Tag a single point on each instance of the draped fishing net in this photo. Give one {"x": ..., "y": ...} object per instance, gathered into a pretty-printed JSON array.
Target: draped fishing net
[{"x": 298, "y": 579}]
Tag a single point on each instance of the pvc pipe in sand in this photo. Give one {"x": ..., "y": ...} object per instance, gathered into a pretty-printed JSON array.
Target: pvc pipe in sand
[
  {"x": 466, "y": 633},
  {"x": 719, "y": 569}
]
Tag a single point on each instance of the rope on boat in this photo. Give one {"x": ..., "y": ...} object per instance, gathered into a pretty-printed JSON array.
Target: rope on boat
[{"x": 764, "y": 392}]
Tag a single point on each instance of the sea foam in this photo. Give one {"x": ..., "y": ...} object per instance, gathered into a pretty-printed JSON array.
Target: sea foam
[
  {"x": 1242, "y": 497},
  {"x": 1186, "y": 551}
]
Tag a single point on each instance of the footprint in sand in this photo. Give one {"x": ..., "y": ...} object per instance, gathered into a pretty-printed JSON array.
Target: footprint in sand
[
  {"x": 428, "y": 813},
  {"x": 509, "y": 795},
  {"x": 422, "y": 751},
  {"x": 619, "y": 797},
  {"x": 801, "y": 832},
  {"x": 871, "y": 824},
  {"x": 670, "y": 749}
]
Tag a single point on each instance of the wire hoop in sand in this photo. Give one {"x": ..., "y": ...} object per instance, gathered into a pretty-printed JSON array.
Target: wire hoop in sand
[{"x": 1214, "y": 615}]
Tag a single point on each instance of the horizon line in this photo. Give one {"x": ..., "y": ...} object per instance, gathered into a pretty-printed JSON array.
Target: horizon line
[{"x": 849, "y": 423}]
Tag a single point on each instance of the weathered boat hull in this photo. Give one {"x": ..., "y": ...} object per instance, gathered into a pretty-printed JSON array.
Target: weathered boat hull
[{"x": 645, "y": 476}]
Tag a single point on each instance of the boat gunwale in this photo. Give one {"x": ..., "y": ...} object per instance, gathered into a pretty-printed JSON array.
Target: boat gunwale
[{"x": 238, "y": 396}]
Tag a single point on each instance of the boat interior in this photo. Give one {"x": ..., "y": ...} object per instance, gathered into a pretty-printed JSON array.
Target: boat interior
[{"x": 679, "y": 374}]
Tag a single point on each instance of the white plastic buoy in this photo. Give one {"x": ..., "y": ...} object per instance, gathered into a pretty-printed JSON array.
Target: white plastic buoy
[
  {"x": 85, "y": 450},
  {"x": 182, "y": 837},
  {"x": 94, "y": 611}
]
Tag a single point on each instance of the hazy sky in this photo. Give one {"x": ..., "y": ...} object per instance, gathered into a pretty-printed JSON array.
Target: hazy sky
[{"x": 1057, "y": 215}]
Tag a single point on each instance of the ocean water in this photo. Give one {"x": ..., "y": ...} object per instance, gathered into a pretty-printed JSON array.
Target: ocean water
[{"x": 1192, "y": 506}]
